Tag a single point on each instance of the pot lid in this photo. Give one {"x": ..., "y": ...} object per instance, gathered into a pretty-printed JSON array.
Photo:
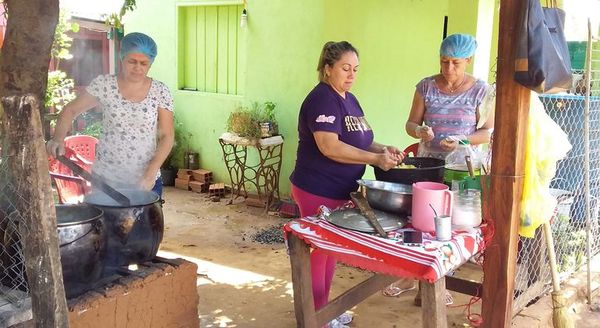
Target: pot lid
[{"x": 352, "y": 219}]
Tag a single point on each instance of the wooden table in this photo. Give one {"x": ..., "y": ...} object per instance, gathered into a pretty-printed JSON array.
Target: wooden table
[{"x": 432, "y": 294}]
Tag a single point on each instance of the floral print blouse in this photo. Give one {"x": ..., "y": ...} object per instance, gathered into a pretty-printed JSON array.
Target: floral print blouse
[{"x": 130, "y": 131}]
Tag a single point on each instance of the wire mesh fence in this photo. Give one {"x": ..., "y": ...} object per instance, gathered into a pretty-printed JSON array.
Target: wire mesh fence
[
  {"x": 576, "y": 186},
  {"x": 13, "y": 279}
]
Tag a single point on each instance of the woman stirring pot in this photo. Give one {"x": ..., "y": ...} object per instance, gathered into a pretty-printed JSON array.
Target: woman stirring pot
[{"x": 137, "y": 123}]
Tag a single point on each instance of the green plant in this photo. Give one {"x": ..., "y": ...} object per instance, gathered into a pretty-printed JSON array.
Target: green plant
[
  {"x": 116, "y": 19},
  {"x": 181, "y": 144},
  {"x": 59, "y": 90},
  {"x": 269, "y": 111},
  {"x": 93, "y": 129},
  {"x": 62, "y": 42},
  {"x": 245, "y": 121}
]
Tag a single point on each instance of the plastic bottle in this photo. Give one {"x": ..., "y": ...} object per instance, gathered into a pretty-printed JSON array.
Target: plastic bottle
[{"x": 456, "y": 165}]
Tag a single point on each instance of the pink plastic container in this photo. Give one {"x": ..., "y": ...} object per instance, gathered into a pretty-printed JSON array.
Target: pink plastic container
[{"x": 424, "y": 194}]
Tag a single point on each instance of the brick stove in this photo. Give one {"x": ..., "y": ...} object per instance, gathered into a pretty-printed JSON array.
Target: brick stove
[{"x": 160, "y": 293}]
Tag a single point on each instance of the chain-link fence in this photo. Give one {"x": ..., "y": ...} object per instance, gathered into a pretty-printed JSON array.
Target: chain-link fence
[
  {"x": 13, "y": 280},
  {"x": 576, "y": 186}
]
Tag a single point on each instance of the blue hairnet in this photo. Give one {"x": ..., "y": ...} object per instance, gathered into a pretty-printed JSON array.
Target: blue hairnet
[
  {"x": 138, "y": 42},
  {"x": 458, "y": 46}
]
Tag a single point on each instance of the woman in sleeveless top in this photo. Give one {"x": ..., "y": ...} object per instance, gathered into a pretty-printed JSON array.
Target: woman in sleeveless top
[{"x": 446, "y": 106}]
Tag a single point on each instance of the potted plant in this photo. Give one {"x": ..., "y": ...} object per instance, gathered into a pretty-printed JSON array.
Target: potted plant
[
  {"x": 269, "y": 126},
  {"x": 179, "y": 151},
  {"x": 244, "y": 122}
]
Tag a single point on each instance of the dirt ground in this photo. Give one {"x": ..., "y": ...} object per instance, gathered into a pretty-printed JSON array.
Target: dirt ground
[{"x": 244, "y": 283}]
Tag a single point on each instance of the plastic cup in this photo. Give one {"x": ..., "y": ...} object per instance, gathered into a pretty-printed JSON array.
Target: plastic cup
[{"x": 443, "y": 227}]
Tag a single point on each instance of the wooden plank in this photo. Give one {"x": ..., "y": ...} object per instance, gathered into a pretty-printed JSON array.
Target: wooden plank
[
  {"x": 433, "y": 309},
  {"x": 304, "y": 305},
  {"x": 463, "y": 286},
  {"x": 201, "y": 48},
  {"x": 189, "y": 49},
  {"x": 353, "y": 296},
  {"x": 512, "y": 115},
  {"x": 240, "y": 59},
  {"x": 223, "y": 48},
  {"x": 211, "y": 54},
  {"x": 232, "y": 39}
]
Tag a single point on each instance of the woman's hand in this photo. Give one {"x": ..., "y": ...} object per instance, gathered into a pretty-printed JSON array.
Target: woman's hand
[
  {"x": 55, "y": 148},
  {"x": 424, "y": 132},
  {"x": 148, "y": 181},
  {"x": 448, "y": 144},
  {"x": 395, "y": 152},
  {"x": 388, "y": 160}
]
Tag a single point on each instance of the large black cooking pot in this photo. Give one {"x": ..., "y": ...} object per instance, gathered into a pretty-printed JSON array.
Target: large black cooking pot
[
  {"x": 134, "y": 232},
  {"x": 82, "y": 240},
  {"x": 425, "y": 169}
]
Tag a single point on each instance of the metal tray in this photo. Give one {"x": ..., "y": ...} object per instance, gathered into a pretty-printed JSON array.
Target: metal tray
[{"x": 352, "y": 219}]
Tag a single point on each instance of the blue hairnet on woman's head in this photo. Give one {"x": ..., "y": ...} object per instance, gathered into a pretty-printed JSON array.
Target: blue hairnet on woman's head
[
  {"x": 458, "y": 46},
  {"x": 138, "y": 42}
]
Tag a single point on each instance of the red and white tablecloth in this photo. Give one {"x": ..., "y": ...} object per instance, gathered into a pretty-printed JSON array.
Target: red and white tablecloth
[{"x": 429, "y": 262}]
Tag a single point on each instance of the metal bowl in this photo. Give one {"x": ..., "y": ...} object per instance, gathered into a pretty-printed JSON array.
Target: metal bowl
[{"x": 388, "y": 196}]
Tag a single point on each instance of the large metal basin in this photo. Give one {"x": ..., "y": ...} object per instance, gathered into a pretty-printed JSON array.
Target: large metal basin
[{"x": 388, "y": 196}]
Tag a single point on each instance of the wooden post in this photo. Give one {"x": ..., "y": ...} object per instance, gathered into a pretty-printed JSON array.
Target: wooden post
[
  {"x": 304, "y": 305},
  {"x": 434, "y": 304},
  {"x": 29, "y": 165},
  {"x": 512, "y": 112}
]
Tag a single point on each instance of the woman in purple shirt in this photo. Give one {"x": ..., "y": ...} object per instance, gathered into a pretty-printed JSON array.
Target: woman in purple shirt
[{"x": 335, "y": 144}]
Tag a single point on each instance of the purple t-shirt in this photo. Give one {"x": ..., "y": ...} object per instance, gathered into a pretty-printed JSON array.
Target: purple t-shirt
[{"x": 325, "y": 110}]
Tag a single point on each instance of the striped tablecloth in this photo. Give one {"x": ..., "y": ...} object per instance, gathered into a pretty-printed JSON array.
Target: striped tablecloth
[{"x": 429, "y": 262}]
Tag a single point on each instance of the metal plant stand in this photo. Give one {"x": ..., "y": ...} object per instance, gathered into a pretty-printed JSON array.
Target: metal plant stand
[{"x": 263, "y": 176}]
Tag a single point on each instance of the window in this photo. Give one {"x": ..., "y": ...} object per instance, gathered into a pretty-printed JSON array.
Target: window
[{"x": 210, "y": 49}]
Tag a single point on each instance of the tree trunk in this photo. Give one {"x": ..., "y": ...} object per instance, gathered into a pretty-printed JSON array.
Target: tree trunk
[
  {"x": 23, "y": 77},
  {"x": 27, "y": 160},
  {"x": 26, "y": 49}
]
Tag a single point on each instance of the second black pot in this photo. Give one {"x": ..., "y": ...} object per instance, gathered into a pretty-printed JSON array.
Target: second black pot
[
  {"x": 134, "y": 232},
  {"x": 82, "y": 239}
]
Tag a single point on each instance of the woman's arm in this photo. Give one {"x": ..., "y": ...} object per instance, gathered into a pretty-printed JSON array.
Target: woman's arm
[
  {"x": 482, "y": 135},
  {"x": 83, "y": 103},
  {"x": 414, "y": 123},
  {"x": 166, "y": 138},
  {"x": 334, "y": 149}
]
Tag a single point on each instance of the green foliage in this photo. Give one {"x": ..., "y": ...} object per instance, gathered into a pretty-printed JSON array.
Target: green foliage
[
  {"x": 116, "y": 19},
  {"x": 180, "y": 146},
  {"x": 94, "y": 130},
  {"x": 569, "y": 243},
  {"x": 59, "y": 90},
  {"x": 245, "y": 121},
  {"x": 62, "y": 42}
]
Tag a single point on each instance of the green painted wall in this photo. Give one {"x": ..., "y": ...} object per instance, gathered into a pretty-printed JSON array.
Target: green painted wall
[{"x": 398, "y": 43}]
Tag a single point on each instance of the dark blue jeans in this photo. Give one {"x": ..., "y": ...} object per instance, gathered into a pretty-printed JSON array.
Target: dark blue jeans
[{"x": 158, "y": 187}]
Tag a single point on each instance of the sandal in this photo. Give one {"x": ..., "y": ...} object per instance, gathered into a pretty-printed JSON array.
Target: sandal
[
  {"x": 395, "y": 290},
  {"x": 449, "y": 298},
  {"x": 335, "y": 324},
  {"x": 345, "y": 318}
]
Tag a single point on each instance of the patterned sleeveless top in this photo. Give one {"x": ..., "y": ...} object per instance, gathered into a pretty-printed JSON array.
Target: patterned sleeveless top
[{"x": 448, "y": 114}]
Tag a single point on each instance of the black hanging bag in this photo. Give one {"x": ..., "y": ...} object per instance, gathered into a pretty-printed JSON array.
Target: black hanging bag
[{"x": 542, "y": 61}]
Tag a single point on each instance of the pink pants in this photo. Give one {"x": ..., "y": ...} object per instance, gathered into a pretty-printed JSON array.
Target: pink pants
[{"x": 322, "y": 265}]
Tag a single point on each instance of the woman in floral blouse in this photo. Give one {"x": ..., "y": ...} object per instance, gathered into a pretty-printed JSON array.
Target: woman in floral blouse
[{"x": 137, "y": 120}]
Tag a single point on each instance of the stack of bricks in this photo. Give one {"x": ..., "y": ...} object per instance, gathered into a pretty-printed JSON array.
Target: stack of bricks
[
  {"x": 184, "y": 176},
  {"x": 201, "y": 180},
  {"x": 216, "y": 189}
]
